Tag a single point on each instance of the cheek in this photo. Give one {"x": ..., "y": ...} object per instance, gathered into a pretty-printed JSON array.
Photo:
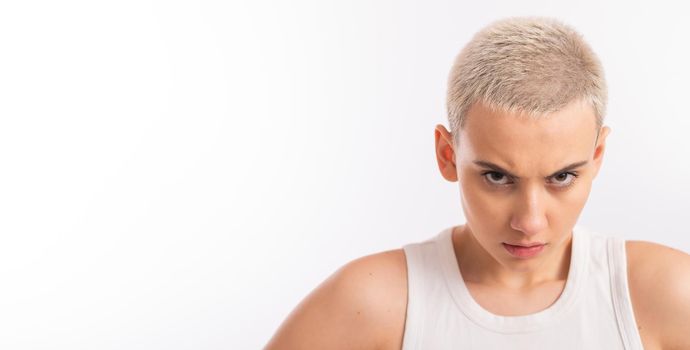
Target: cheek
[
  {"x": 575, "y": 199},
  {"x": 570, "y": 208},
  {"x": 578, "y": 194},
  {"x": 481, "y": 204}
]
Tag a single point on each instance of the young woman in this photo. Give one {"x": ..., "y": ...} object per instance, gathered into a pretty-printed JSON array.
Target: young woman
[{"x": 526, "y": 105}]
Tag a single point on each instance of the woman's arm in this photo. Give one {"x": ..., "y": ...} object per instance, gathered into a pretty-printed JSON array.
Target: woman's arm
[
  {"x": 360, "y": 306},
  {"x": 660, "y": 290}
]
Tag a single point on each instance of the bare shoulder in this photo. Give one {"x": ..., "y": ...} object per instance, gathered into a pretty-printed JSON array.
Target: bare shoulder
[
  {"x": 659, "y": 282},
  {"x": 362, "y": 305}
]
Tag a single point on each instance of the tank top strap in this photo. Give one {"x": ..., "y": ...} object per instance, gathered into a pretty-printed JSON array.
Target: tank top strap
[
  {"x": 618, "y": 273},
  {"x": 425, "y": 290}
]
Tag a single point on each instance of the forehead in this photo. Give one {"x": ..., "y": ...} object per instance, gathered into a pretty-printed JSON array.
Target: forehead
[{"x": 522, "y": 142}]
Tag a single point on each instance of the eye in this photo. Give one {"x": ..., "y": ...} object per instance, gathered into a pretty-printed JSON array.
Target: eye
[
  {"x": 565, "y": 179},
  {"x": 562, "y": 180},
  {"x": 495, "y": 178}
]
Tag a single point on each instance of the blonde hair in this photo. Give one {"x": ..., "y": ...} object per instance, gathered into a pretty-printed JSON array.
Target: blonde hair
[{"x": 531, "y": 65}]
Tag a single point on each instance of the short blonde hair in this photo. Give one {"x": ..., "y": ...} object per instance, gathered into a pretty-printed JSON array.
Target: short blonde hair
[{"x": 532, "y": 65}]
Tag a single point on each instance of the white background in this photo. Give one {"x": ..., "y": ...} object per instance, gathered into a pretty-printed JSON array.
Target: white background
[{"x": 180, "y": 174}]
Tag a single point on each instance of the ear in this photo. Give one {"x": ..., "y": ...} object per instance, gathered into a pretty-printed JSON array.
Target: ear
[
  {"x": 445, "y": 154},
  {"x": 599, "y": 148}
]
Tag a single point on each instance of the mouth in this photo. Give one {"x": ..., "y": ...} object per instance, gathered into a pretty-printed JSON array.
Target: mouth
[
  {"x": 526, "y": 245},
  {"x": 524, "y": 252}
]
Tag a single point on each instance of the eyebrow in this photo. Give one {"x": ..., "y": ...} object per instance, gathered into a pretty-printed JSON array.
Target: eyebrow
[{"x": 506, "y": 172}]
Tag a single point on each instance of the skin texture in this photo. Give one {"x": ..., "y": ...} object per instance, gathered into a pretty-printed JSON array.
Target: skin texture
[
  {"x": 659, "y": 282},
  {"x": 361, "y": 306},
  {"x": 534, "y": 207}
]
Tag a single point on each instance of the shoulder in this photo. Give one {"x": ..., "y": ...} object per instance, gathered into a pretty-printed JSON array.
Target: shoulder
[
  {"x": 361, "y": 305},
  {"x": 659, "y": 282}
]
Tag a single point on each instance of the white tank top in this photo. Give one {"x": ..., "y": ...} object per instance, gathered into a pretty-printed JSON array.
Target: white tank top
[{"x": 593, "y": 311}]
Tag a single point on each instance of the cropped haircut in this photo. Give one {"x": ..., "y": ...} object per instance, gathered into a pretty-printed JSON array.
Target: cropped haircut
[{"x": 526, "y": 65}]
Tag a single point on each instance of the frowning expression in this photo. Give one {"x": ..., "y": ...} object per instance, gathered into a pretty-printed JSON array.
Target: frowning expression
[{"x": 523, "y": 179}]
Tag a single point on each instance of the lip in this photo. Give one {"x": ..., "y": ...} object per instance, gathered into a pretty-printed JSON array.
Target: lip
[
  {"x": 526, "y": 245},
  {"x": 524, "y": 252}
]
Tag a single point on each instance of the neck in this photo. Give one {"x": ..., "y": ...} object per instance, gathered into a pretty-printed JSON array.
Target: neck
[{"x": 478, "y": 266}]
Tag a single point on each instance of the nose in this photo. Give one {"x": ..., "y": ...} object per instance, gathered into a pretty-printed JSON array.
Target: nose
[{"x": 529, "y": 215}]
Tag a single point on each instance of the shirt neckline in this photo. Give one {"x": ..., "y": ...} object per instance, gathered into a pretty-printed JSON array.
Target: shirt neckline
[{"x": 514, "y": 324}]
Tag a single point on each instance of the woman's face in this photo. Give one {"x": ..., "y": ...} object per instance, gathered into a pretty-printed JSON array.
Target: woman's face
[{"x": 523, "y": 180}]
